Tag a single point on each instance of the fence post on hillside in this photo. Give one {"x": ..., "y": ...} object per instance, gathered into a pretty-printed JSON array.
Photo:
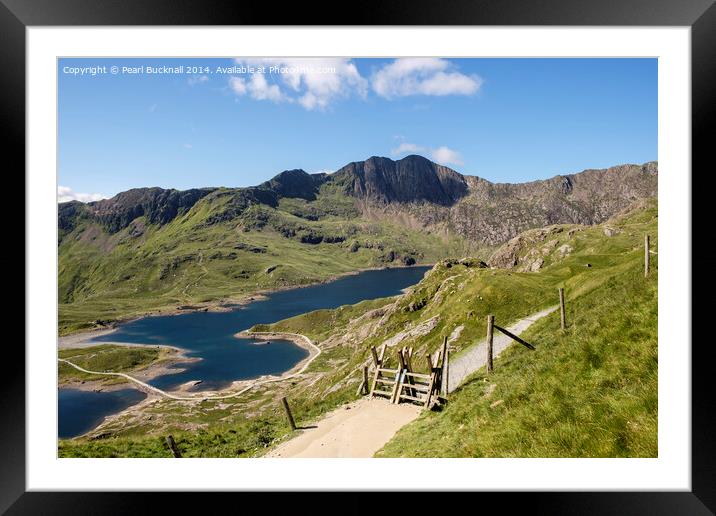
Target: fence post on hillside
[
  {"x": 490, "y": 325},
  {"x": 446, "y": 367},
  {"x": 173, "y": 447},
  {"x": 365, "y": 380},
  {"x": 289, "y": 416},
  {"x": 646, "y": 256},
  {"x": 562, "y": 310}
]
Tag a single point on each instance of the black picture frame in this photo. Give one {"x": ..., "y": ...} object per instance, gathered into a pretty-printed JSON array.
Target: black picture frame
[{"x": 700, "y": 15}]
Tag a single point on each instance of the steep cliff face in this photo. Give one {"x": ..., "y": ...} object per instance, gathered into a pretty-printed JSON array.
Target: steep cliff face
[
  {"x": 492, "y": 213},
  {"x": 411, "y": 179}
]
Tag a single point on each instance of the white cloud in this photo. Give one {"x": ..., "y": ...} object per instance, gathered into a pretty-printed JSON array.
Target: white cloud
[
  {"x": 188, "y": 146},
  {"x": 314, "y": 83},
  {"x": 407, "y": 148},
  {"x": 446, "y": 156},
  {"x": 443, "y": 155},
  {"x": 65, "y": 193},
  {"x": 197, "y": 79},
  {"x": 238, "y": 85},
  {"x": 257, "y": 87},
  {"x": 423, "y": 76}
]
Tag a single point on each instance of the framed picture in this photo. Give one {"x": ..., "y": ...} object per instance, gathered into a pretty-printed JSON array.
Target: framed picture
[{"x": 419, "y": 251}]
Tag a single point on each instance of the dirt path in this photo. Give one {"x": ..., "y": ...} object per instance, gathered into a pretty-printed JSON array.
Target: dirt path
[
  {"x": 357, "y": 429},
  {"x": 476, "y": 356},
  {"x": 361, "y": 428}
]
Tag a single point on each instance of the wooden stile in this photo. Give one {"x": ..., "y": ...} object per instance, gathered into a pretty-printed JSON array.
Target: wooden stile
[
  {"x": 408, "y": 385},
  {"x": 382, "y": 377},
  {"x": 375, "y": 356}
]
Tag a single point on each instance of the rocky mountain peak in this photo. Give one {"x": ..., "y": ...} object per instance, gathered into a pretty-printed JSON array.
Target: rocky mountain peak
[
  {"x": 295, "y": 183},
  {"x": 413, "y": 178}
]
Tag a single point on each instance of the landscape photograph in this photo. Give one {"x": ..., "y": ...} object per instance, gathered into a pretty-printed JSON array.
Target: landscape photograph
[{"x": 413, "y": 257}]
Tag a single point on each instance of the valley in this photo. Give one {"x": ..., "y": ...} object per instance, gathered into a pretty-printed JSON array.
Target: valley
[
  {"x": 593, "y": 249},
  {"x": 155, "y": 251}
]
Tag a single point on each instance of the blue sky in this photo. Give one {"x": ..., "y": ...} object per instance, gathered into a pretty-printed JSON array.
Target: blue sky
[{"x": 233, "y": 123}]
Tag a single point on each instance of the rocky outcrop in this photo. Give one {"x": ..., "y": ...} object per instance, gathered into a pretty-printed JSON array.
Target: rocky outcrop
[
  {"x": 411, "y": 179},
  {"x": 493, "y": 213},
  {"x": 526, "y": 252}
]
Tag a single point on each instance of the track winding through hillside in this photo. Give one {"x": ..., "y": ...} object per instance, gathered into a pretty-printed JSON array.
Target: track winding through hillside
[
  {"x": 361, "y": 428},
  {"x": 476, "y": 356}
]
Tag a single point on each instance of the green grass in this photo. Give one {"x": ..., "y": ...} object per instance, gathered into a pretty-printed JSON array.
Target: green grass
[
  {"x": 590, "y": 391},
  {"x": 243, "y": 438},
  {"x": 107, "y": 358}
]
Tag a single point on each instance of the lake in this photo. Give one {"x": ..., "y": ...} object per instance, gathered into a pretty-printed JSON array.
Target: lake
[
  {"x": 81, "y": 411},
  {"x": 224, "y": 358}
]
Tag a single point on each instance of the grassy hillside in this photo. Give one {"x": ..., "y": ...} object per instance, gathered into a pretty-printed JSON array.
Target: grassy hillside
[
  {"x": 598, "y": 380},
  {"x": 211, "y": 253},
  {"x": 590, "y": 391}
]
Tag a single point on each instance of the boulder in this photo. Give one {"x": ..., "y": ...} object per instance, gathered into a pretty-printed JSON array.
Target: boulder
[{"x": 536, "y": 265}]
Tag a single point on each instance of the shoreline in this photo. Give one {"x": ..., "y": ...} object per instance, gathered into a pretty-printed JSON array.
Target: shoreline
[
  {"x": 164, "y": 366},
  {"x": 244, "y": 385},
  {"x": 218, "y": 305},
  {"x": 82, "y": 339},
  {"x": 298, "y": 339},
  {"x": 143, "y": 376}
]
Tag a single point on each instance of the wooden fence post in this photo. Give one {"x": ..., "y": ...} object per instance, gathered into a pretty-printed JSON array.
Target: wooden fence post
[
  {"x": 646, "y": 256},
  {"x": 446, "y": 372},
  {"x": 173, "y": 447},
  {"x": 443, "y": 365},
  {"x": 562, "y": 311},
  {"x": 291, "y": 422},
  {"x": 490, "y": 324},
  {"x": 365, "y": 379}
]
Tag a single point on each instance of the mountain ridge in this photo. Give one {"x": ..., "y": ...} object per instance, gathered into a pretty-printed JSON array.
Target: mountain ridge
[
  {"x": 410, "y": 182},
  {"x": 152, "y": 249}
]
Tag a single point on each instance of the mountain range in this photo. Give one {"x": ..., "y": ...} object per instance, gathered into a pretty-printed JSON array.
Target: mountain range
[{"x": 150, "y": 249}]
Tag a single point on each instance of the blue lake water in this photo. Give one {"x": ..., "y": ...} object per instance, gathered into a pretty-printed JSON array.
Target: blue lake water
[
  {"x": 224, "y": 358},
  {"x": 81, "y": 411}
]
